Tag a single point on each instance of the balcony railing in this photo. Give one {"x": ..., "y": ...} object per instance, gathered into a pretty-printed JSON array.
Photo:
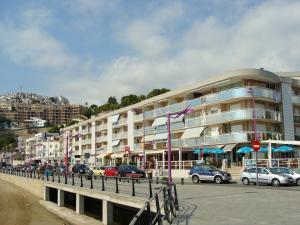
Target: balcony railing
[
  {"x": 101, "y": 139},
  {"x": 242, "y": 114},
  {"x": 101, "y": 127},
  {"x": 86, "y": 141},
  {"x": 149, "y": 130},
  {"x": 225, "y": 95},
  {"x": 137, "y": 147},
  {"x": 138, "y": 132},
  {"x": 296, "y": 99},
  {"x": 297, "y": 119},
  {"x": 122, "y": 135},
  {"x": 118, "y": 148},
  {"x": 120, "y": 122},
  {"x": 138, "y": 117}
]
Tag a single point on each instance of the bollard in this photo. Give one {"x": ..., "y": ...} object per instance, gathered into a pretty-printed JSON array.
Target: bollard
[
  {"x": 157, "y": 180},
  {"x": 117, "y": 185},
  {"x": 103, "y": 188},
  {"x": 73, "y": 183},
  {"x": 182, "y": 181},
  {"x": 92, "y": 182},
  {"x": 43, "y": 177},
  {"x": 52, "y": 177},
  {"x": 150, "y": 188},
  {"x": 47, "y": 176},
  {"x": 133, "y": 188},
  {"x": 33, "y": 174},
  {"x": 66, "y": 178},
  {"x": 58, "y": 177},
  {"x": 81, "y": 184}
]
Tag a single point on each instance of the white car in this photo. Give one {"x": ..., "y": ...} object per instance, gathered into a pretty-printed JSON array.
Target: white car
[
  {"x": 287, "y": 171},
  {"x": 265, "y": 176}
]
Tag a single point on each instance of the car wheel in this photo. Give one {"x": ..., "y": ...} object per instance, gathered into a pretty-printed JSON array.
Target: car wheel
[
  {"x": 218, "y": 180},
  {"x": 245, "y": 181},
  {"x": 275, "y": 182},
  {"x": 195, "y": 179},
  {"x": 298, "y": 181}
]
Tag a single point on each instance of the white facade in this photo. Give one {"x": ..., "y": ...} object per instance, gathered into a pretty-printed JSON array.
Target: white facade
[{"x": 224, "y": 108}]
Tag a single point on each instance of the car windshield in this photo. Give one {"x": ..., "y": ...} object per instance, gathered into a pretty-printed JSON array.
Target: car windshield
[{"x": 213, "y": 168}]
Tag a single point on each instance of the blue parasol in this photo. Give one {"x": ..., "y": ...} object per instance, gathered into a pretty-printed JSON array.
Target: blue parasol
[
  {"x": 245, "y": 150},
  {"x": 284, "y": 148}
]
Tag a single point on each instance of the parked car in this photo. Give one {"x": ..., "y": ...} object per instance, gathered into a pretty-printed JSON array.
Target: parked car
[
  {"x": 99, "y": 170},
  {"x": 130, "y": 171},
  {"x": 111, "y": 171},
  {"x": 208, "y": 173},
  {"x": 265, "y": 176},
  {"x": 295, "y": 174},
  {"x": 81, "y": 169}
]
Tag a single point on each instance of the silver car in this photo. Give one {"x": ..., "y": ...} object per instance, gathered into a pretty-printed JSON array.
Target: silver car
[
  {"x": 295, "y": 174},
  {"x": 265, "y": 176}
]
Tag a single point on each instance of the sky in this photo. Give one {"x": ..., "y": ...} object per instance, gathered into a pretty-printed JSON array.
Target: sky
[{"x": 88, "y": 50}]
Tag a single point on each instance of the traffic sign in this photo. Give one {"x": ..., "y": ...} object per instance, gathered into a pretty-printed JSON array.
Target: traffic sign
[{"x": 256, "y": 145}]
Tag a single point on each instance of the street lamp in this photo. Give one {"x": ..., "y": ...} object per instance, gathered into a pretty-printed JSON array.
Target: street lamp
[
  {"x": 175, "y": 115},
  {"x": 251, "y": 92}
]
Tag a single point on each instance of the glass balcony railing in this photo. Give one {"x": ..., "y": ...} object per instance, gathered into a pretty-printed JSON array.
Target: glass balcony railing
[
  {"x": 149, "y": 130},
  {"x": 225, "y": 95},
  {"x": 296, "y": 99},
  {"x": 101, "y": 127},
  {"x": 138, "y": 132},
  {"x": 120, "y": 122},
  {"x": 242, "y": 114},
  {"x": 118, "y": 148}
]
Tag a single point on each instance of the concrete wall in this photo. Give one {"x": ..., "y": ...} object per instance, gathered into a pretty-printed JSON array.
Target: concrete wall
[{"x": 35, "y": 187}]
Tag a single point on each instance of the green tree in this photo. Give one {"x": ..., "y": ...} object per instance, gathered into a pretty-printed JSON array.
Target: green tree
[
  {"x": 55, "y": 129},
  {"x": 129, "y": 100},
  {"x": 156, "y": 92},
  {"x": 112, "y": 100}
]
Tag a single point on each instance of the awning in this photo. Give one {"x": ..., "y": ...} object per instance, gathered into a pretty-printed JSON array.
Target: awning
[
  {"x": 159, "y": 121},
  {"x": 229, "y": 147},
  {"x": 161, "y": 136},
  {"x": 102, "y": 155},
  {"x": 115, "y": 142},
  {"x": 192, "y": 132},
  {"x": 149, "y": 138},
  {"x": 117, "y": 155},
  {"x": 115, "y": 118},
  {"x": 154, "y": 152}
]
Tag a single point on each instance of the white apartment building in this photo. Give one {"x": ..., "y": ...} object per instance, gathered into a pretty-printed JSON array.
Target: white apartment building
[
  {"x": 223, "y": 109},
  {"x": 44, "y": 147}
]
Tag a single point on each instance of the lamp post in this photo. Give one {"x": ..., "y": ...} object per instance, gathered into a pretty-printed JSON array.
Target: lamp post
[
  {"x": 251, "y": 92},
  {"x": 170, "y": 116}
]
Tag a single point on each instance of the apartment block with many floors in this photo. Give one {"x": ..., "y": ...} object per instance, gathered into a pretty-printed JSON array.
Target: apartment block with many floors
[{"x": 222, "y": 117}]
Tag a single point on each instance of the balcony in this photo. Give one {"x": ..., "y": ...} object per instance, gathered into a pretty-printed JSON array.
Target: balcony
[
  {"x": 101, "y": 127},
  {"x": 296, "y": 118},
  {"x": 296, "y": 99},
  {"x": 118, "y": 136},
  {"x": 138, "y": 132},
  {"x": 243, "y": 136},
  {"x": 137, "y": 147},
  {"x": 149, "y": 130},
  {"x": 121, "y": 122},
  {"x": 86, "y": 141},
  {"x": 118, "y": 148},
  {"x": 138, "y": 118},
  {"x": 101, "y": 139},
  {"x": 85, "y": 131},
  {"x": 226, "y": 95},
  {"x": 243, "y": 114}
]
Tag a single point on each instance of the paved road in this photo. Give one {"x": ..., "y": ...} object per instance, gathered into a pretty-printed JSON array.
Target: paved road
[
  {"x": 18, "y": 207},
  {"x": 234, "y": 204}
]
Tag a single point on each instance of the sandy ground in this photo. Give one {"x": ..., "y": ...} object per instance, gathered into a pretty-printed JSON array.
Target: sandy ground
[{"x": 18, "y": 207}]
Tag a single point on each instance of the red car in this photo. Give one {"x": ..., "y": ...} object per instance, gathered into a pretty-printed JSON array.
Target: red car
[{"x": 111, "y": 171}]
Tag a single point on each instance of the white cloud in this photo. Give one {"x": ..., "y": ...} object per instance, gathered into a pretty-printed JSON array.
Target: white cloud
[{"x": 90, "y": 6}]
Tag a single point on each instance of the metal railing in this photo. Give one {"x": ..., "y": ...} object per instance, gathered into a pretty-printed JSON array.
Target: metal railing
[
  {"x": 165, "y": 204},
  {"x": 274, "y": 162}
]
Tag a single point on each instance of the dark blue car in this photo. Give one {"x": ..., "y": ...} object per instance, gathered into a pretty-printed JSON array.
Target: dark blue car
[{"x": 204, "y": 172}]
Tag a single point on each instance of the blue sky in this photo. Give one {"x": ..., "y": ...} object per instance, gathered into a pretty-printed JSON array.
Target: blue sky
[{"x": 88, "y": 50}]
